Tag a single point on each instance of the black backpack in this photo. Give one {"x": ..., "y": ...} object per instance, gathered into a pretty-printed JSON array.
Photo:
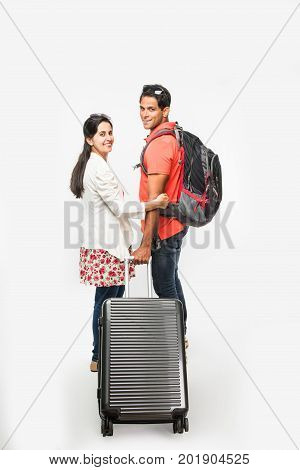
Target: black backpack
[{"x": 200, "y": 191}]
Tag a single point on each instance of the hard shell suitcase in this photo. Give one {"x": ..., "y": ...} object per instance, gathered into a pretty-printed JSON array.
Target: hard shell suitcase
[{"x": 142, "y": 376}]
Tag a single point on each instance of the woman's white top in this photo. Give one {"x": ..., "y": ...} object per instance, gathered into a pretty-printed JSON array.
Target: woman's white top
[{"x": 106, "y": 222}]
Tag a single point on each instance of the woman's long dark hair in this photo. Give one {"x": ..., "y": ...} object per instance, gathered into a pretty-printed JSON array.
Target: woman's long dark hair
[{"x": 90, "y": 128}]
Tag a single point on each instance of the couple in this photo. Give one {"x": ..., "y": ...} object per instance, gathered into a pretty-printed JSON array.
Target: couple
[{"x": 105, "y": 208}]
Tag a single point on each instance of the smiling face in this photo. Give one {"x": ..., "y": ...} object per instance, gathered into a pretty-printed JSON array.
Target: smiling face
[
  {"x": 151, "y": 114},
  {"x": 103, "y": 140}
]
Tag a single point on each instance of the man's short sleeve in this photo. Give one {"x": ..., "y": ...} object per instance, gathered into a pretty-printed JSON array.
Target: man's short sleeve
[{"x": 159, "y": 155}]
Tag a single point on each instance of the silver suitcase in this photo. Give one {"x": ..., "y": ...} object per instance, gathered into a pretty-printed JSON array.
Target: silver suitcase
[{"x": 142, "y": 376}]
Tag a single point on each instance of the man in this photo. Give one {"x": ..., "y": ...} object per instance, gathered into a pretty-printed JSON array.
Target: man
[{"x": 162, "y": 236}]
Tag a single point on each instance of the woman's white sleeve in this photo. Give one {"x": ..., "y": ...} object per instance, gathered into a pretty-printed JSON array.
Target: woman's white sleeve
[{"x": 108, "y": 189}]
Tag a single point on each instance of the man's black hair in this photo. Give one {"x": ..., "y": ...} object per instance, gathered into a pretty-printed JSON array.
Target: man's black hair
[{"x": 159, "y": 92}]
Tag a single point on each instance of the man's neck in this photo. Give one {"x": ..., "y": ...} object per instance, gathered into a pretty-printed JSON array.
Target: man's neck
[{"x": 162, "y": 122}]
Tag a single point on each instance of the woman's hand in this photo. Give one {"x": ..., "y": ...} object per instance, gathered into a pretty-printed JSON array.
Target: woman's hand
[{"x": 162, "y": 200}]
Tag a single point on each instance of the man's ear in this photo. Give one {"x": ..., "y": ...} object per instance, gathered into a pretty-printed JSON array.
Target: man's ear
[
  {"x": 166, "y": 111},
  {"x": 89, "y": 141}
]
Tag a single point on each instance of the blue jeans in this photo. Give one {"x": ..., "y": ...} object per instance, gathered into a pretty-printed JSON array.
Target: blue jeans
[
  {"x": 165, "y": 257},
  {"x": 102, "y": 293}
]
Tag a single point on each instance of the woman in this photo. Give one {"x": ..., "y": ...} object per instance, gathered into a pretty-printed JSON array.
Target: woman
[{"x": 107, "y": 232}]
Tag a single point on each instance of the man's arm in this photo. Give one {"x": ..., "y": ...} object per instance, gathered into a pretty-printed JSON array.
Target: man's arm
[{"x": 156, "y": 186}]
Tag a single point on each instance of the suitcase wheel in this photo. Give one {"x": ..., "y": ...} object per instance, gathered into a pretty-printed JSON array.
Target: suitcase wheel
[
  {"x": 181, "y": 424},
  {"x": 107, "y": 427},
  {"x": 175, "y": 427},
  {"x": 186, "y": 424}
]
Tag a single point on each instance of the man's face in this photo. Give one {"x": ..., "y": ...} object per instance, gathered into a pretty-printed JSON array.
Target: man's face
[{"x": 151, "y": 114}]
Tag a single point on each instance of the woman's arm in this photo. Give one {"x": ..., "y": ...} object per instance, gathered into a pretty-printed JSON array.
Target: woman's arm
[
  {"x": 108, "y": 188},
  {"x": 160, "y": 202}
]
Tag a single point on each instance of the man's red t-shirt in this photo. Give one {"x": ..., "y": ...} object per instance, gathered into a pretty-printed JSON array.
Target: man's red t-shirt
[{"x": 162, "y": 157}]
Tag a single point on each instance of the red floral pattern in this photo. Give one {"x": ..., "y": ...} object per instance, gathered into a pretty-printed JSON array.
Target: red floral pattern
[{"x": 101, "y": 269}]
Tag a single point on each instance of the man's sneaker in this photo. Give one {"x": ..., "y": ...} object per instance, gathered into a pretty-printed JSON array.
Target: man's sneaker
[
  {"x": 94, "y": 366},
  {"x": 186, "y": 342}
]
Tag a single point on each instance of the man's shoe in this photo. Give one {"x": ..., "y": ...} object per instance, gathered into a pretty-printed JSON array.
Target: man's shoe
[
  {"x": 186, "y": 342},
  {"x": 94, "y": 366}
]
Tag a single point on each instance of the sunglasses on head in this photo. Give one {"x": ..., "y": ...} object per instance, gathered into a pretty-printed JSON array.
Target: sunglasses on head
[{"x": 154, "y": 89}]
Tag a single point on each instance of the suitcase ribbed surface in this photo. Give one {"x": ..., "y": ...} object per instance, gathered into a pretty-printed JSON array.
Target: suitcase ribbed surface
[{"x": 145, "y": 372}]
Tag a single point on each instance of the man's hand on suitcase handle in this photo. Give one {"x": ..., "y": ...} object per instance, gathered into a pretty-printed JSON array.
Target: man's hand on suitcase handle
[
  {"x": 156, "y": 186},
  {"x": 142, "y": 255}
]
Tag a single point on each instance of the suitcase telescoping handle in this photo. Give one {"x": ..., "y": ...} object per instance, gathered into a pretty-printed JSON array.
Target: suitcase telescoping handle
[{"x": 149, "y": 276}]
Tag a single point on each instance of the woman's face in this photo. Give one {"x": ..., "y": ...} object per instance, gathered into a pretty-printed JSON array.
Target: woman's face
[{"x": 103, "y": 140}]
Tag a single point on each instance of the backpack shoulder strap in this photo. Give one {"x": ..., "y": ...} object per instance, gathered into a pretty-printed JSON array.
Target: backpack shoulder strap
[{"x": 158, "y": 134}]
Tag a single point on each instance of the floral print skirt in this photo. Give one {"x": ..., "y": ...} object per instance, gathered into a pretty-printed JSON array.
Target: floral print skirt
[{"x": 101, "y": 269}]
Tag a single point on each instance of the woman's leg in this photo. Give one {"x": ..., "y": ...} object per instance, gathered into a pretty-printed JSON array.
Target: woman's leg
[{"x": 102, "y": 293}]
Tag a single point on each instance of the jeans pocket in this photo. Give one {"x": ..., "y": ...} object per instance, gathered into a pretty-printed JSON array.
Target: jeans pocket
[{"x": 173, "y": 243}]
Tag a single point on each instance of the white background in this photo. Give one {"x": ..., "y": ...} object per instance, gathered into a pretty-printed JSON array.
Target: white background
[{"x": 99, "y": 54}]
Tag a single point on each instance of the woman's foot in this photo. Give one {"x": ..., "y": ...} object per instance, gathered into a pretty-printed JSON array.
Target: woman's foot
[{"x": 94, "y": 366}]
